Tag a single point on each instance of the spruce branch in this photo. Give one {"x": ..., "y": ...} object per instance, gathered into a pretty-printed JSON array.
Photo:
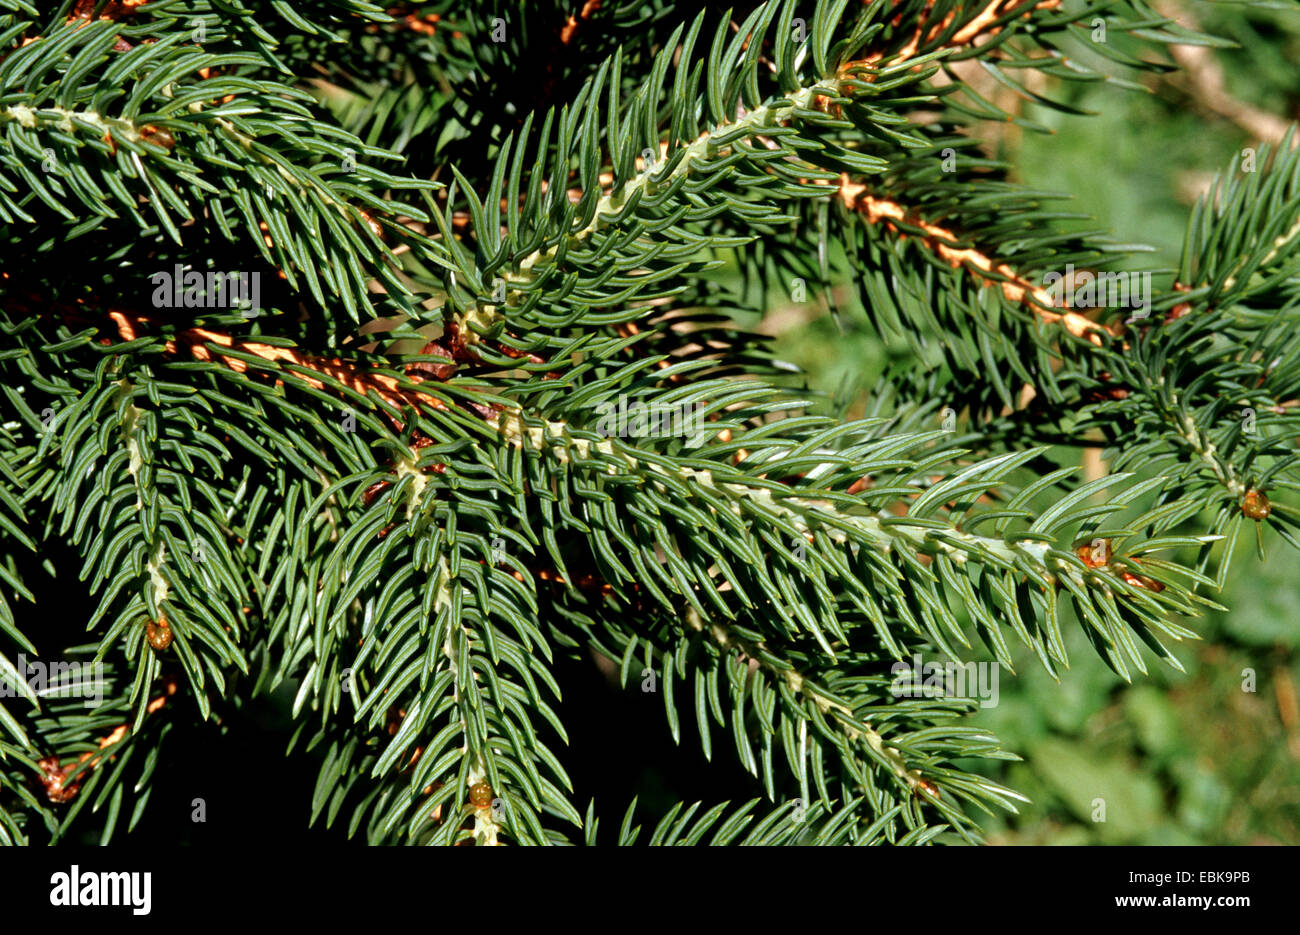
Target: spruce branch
[
  {"x": 411, "y": 543},
  {"x": 946, "y": 244}
]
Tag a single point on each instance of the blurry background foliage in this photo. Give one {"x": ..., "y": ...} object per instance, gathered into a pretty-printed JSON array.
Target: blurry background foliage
[{"x": 1178, "y": 758}]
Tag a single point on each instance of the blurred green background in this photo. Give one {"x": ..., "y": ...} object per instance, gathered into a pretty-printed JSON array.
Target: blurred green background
[{"x": 1178, "y": 758}]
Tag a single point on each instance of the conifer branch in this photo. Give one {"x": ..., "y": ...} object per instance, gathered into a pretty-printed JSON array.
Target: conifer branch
[
  {"x": 1017, "y": 289},
  {"x": 420, "y": 543}
]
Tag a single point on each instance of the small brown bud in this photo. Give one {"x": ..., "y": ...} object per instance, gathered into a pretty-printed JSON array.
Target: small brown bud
[
  {"x": 151, "y": 134},
  {"x": 480, "y": 795},
  {"x": 1255, "y": 505},
  {"x": 52, "y": 780},
  {"x": 927, "y": 786},
  {"x": 159, "y": 634},
  {"x": 1142, "y": 581}
]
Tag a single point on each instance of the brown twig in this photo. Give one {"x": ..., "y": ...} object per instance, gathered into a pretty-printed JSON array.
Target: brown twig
[
  {"x": 1202, "y": 78},
  {"x": 54, "y": 775},
  {"x": 981, "y": 265},
  {"x": 571, "y": 27},
  {"x": 114, "y": 11},
  {"x": 197, "y": 340}
]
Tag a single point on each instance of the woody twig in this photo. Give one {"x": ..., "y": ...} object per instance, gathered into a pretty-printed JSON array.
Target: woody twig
[{"x": 61, "y": 785}]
